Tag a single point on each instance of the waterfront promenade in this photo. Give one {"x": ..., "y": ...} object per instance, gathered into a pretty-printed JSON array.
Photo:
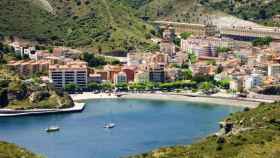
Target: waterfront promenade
[{"x": 78, "y": 107}]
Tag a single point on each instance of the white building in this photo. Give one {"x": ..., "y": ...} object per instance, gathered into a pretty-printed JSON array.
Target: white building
[
  {"x": 253, "y": 81},
  {"x": 273, "y": 70},
  {"x": 73, "y": 72}
]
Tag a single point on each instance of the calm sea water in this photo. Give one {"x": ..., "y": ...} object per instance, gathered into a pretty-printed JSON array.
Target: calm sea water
[{"x": 142, "y": 125}]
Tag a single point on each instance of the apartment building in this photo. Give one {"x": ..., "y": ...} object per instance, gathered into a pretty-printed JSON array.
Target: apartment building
[
  {"x": 29, "y": 67},
  {"x": 157, "y": 72},
  {"x": 72, "y": 72},
  {"x": 274, "y": 70}
]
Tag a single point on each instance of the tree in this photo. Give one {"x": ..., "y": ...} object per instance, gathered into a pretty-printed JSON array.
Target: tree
[
  {"x": 220, "y": 69},
  {"x": 93, "y": 60},
  {"x": 192, "y": 57},
  {"x": 224, "y": 83},
  {"x": 137, "y": 86},
  {"x": 185, "y": 35},
  {"x": 107, "y": 86},
  {"x": 207, "y": 87},
  {"x": 262, "y": 41},
  {"x": 187, "y": 74},
  {"x": 94, "y": 86},
  {"x": 71, "y": 87},
  {"x": 222, "y": 49},
  {"x": 177, "y": 41},
  {"x": 121, "y": 86}
]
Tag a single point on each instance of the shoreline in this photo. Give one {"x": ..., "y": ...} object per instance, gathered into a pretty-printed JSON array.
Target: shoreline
[
  {"x": 78, "y": 107},
  {"x": 226, "y": 101},
  {"x": 193, "y": 98}
]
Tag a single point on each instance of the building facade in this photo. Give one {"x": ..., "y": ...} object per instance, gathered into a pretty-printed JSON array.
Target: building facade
[
  {"x": 74, "y": 72},
  {"x": 157, "y": 73},
  {"x": 120, "y": 78}
]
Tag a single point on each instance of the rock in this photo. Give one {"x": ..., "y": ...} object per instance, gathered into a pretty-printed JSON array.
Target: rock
[{"x": 38, "y": 96}]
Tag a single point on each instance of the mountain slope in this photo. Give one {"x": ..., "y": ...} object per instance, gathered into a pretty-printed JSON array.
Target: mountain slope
[
  {"x": 196, "y": 11},
  {"x": 259, "y": 11},
  {"x": 89, "y": 24}
]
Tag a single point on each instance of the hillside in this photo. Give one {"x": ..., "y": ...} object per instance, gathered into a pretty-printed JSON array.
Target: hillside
[
  {"x": 259, "y": 11},
  {"x": 221, "y": 11},
  {"x": 255, "y": 134},
  {"x": 103, "y": 25},
  {"x": 106, "y": 25},
  {"x": 190, "y": 11},
  {"x": 8, "y": 150}
]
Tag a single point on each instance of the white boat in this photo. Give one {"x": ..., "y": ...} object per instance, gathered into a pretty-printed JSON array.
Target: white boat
[
  {"x": 109, "y": 125},
  {"x": 53, "y": 129}
]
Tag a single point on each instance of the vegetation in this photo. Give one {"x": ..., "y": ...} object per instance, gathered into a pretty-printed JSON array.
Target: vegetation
[
  {"x": 185, "y": 35},
  {"x": 222, "y": 49},
  {"x": 100, "y": 26},
  {"x": 192, "y": 57},
  {"x": 19, "y": 93},
  {"x": 262, "y": 41},
  {"x": 98, "y": 60},
  {"x": 258, "y": 11},
  {"x": 193, "y": 10},
  {"x": 8, "y": 150},
  {"x": 255, "y": 134}
]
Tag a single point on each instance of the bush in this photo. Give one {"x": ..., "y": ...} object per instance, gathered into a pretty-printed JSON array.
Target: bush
[{"x": 262, "y": 41}]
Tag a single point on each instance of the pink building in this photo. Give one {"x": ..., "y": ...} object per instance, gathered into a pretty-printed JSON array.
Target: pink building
[{"x": 130, "y": 72}]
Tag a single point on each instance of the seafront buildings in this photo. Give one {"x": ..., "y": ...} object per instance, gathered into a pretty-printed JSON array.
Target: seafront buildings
[
  {"x": 73, "y": 72},
  {"x": 207, "y": 52}
]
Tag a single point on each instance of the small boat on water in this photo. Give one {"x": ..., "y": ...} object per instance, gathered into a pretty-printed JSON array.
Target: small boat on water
[
  {"x": 53, "y": 129},
  {"x": 109, "y": 125}
]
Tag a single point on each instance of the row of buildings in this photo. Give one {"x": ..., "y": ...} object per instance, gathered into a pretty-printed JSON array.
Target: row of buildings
[{"x": 235, "y": 32}]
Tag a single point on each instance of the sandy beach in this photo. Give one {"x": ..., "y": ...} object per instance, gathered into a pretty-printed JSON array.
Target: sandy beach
[{"x": 168, "y": 97}]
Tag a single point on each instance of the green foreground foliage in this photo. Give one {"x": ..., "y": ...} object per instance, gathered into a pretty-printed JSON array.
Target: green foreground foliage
[{"x": 8, "y": 150}]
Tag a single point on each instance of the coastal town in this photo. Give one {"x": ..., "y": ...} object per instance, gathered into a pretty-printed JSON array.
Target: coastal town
[
  {"x": 140, "y": 78},
  {"x": 192, "y": 59}
]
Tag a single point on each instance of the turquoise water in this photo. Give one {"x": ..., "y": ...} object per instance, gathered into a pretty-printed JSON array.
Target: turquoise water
[{"x": 142, "y": 125}]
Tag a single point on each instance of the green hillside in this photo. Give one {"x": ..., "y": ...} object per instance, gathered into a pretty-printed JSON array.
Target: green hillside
[
  {"x": 175, "y": 10},
  {"x": 8, "y": 150},
  {"x": 258, "y": 11},
  {"x": 255, "y": 134},
  {"x": 103, "y": 25}
]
